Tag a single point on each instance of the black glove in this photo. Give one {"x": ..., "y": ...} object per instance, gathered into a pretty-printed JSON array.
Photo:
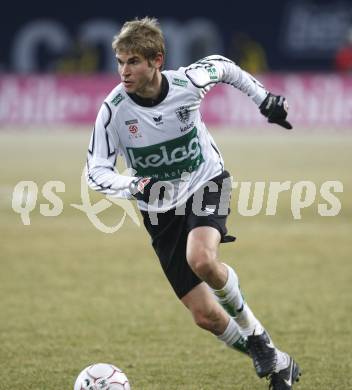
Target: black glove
[
  {"x": 140, "y": 188},
  {"x": 275, "y": 107}
]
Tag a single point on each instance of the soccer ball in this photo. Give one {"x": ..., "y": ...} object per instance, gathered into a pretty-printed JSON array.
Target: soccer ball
[{"x": 102, "y": 376}]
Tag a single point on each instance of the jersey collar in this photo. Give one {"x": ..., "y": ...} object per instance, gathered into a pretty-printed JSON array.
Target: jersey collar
[{"x": 147, "y": 102}]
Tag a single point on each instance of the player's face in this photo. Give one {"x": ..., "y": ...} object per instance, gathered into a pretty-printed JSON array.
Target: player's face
[{"x": 137, "y": 74}]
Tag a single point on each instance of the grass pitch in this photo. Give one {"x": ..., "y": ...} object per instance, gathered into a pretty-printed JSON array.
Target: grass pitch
[{"x": 72, "y": 295}]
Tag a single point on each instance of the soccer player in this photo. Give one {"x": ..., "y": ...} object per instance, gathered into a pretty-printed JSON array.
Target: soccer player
[{"x": 183, "y": 191}]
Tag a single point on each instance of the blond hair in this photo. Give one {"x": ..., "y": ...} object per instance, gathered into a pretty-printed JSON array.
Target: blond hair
[{"x": 140, "y": 36}]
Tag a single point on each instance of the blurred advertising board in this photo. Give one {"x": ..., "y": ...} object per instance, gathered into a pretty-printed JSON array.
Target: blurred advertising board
[
  {"x": 323, "y": 100},
  {"x": 289, "y": 35}
]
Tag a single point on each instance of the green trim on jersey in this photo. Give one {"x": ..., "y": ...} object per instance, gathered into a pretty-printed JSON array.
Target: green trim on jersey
[{"x": 168, "y": 160}]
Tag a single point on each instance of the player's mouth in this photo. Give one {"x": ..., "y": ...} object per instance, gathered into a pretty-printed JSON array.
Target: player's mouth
[{"x": 127, "y": 84}]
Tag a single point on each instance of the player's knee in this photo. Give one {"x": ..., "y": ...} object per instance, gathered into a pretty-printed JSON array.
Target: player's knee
[{"x": 201, "y": 260}]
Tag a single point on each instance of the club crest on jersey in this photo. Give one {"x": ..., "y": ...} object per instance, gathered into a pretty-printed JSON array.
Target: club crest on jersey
[{"x": 183, "y": 113}]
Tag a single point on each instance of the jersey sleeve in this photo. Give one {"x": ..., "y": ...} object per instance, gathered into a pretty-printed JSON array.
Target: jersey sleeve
[
  {"x": 103, "y": 150},
  {"x": 209, "y": 71}
]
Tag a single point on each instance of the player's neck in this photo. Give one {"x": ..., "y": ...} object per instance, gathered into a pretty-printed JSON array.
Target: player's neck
[
  {"x": 153, "y": 89},
  {"x": 151, "y": 102}
]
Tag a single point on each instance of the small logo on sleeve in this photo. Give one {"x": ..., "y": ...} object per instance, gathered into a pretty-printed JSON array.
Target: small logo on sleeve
[
  {"x": 213, "y": 75},
  {"x": 179, "y": 82},
  {"x": 117, "y": 99}
]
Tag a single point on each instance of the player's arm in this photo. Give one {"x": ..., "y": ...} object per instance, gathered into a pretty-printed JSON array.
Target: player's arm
[
  {"x": 101, "y": 173},
  {"x": 212, "y": 70}
]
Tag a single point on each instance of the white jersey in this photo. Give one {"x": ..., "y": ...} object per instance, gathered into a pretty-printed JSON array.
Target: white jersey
[{"x": 168, "y": 141}]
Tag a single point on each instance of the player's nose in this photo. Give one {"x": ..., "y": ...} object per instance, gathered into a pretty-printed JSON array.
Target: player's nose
[{"x": 125, "y": 70}]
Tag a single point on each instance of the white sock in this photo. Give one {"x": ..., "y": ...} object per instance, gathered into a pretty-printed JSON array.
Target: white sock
[
  {"x": 231, "y": 333},
  {"x": 230, "y": 298},
  {"x": 283, "y": 360},
  {"x": 248, "y": 322},
  {"x": 232, "y": 337}
]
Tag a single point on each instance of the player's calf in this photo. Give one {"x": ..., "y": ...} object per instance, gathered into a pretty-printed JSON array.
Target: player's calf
[{"x": 209, "y": 315}]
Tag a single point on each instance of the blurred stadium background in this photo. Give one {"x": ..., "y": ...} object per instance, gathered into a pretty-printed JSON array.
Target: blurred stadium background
[{"x": 72, "y": 295}]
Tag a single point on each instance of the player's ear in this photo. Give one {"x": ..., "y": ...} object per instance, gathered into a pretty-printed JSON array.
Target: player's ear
[{"x": 158, "y": 61}]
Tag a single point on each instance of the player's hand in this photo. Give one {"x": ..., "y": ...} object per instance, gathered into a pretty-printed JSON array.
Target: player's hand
[
  {"x": 141, "y": 187},
  {"x": 275, "y": 108}
]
